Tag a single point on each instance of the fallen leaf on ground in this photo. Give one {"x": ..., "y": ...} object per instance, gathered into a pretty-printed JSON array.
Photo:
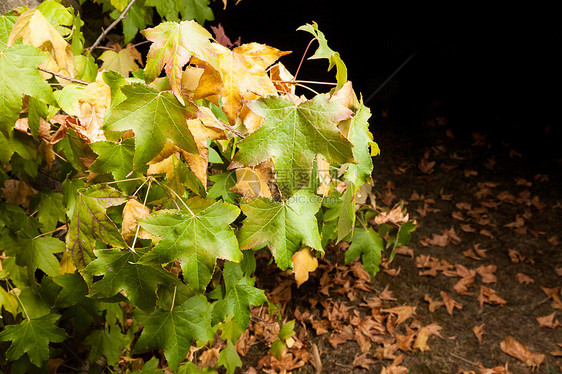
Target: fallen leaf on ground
[
  {"x": 423, "y": 335},
  {"x": 363, "y": 361},
  {"x": 524, "y": 279},
  {"x": 488, "y": 295},
  {"x": 478, "y": 330},
  {"x": 494, "y": 370},
  {"x": 513, "y": 348},
  {"x": 548, "y": 321},
  {"x": 433, "y": 304},
  {"x": 395, "y": 368},
  {"x": 450, "y": 304}
]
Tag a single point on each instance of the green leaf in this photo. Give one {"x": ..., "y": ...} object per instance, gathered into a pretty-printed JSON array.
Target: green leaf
[
  {"x": 33, "y": 337},
  {"x": 138, "y": 17},
  {"x": 173, "y": 46},
  {"x": 239, "y": 297},
  {"x": 362, "y": 139},
  {"x": 122, "y": 272},
  {"x": 198, "y": 10},
  {"x": 223, "y": 182},
  {"x": 174, "y": 330},
  {"x": 6, "y": 26},
  {"x": 155, "y": 117},
  {"x": 369, "y": 245},
  {"x": 286, "y": 226},
  {"x": 346, "y": 216},
  {"x": 50, "y": 210},
  {"x": 293, "y": 134},
  {"x": 39, "y": 253},
  {"x": 229, "y": 358},
  {"x": 117, "y": 159},
  {"x": 19, "y": 75},
  {"x": 324, "y": 51},
  {"x": 150, "y": 367},
  {"x": 106, "y": 343},
  {"x": 89, "y": 221},
  {"x": 197, "y": 240},
  {"x": 74, "y": 290}
]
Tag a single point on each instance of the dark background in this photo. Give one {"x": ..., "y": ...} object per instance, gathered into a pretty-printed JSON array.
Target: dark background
[{"x": 492, "y": 71}]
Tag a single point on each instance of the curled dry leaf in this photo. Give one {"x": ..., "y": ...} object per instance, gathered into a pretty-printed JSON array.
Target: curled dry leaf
[
  {"x": 478, "y": 331},
  {"x": 433, "y": 304},
  {"x": 395, "y": 216},
  {"x": 395, "y": 368},
  {"x": 548, "y": 321},
  {"x": 524, "y": 279},
  {"x": 488, "y": 295},
  {"x": 423, "y": 335},
  {"x": 450, "y": 304},
  {"x": 514, "y": 348},
  {"x": 495, "y": 370}
]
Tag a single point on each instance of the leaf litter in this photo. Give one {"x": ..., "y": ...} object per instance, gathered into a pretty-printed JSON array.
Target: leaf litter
[{"x": 475, "y": 292}]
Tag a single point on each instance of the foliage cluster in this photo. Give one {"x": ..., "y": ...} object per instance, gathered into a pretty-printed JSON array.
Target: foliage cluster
[{"x": 137, "y": 191}]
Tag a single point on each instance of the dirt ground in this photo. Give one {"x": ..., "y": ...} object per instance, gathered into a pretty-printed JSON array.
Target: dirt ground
[{"x": 488, "y": 245}]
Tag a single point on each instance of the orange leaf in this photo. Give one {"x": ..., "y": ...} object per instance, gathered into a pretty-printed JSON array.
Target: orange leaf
[
  {"x": 423, "y": 335},
  {"x": 478, "y": 331},
  {"x": 513, "y": 348}
]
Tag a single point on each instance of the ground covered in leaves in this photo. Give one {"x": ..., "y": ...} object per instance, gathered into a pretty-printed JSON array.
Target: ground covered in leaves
[{"x": 476, "y": 291}]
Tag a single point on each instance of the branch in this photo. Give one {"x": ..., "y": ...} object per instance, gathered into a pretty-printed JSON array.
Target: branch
[
  {"x": 62, "y": 76},
  {"x": 113, "y": 24}
]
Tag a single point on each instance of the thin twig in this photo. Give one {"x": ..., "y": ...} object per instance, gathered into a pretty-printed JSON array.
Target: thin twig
[
  {"x": 65, "y": 77},
  {"x": 113, "y": 24},
  {"x": 463, "y": 359},
  {"x": 228, "y": 127},
  {"x": 302, "y": 58}
]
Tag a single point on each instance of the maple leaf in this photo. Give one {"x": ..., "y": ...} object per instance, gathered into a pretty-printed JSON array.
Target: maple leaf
[
  {"x": 253, "y": 182},
  {"x": 34, "y": 29},
  {"x": 123, "y": 61},
  {"x": 294, "y": 134},
  {"x": 240, "y": 295},
  {"x": 39, "y": 253},
  {"x": 106, "y": 343},
  {"x": 32, "y": 336},
  {"x": 240, "y": 75},
  {"x": 324, "y": 51},
  {"x": 285, "y": 226},
  {"x": 478, "y": 331},
  {"x": 369, "y": 245},
  {"x": 423, "y": 335},
  {"x": 116, "y": 158},
  {"x": 548, "y": 321},
  {"x": 449, "y": 302},
  {"x": 155, "y": 117},
  {"x": 174, "y": 330},
  {"x": 197, "y": 238},
  {"x": 513, "y": 348},
  {"x": 122, "y": 271},
  {"x": 132, "y": 212},
  {"x": 173, "y": 46},
  {"x": 19, "y": 75},
  {"x": 89, "y": 221},
  {"x": 304, "y": 262}
]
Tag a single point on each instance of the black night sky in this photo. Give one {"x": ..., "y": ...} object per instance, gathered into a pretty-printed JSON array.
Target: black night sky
[{"x": 483, "y": 70}]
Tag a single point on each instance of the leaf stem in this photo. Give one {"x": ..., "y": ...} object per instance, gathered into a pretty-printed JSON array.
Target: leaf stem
[
  {"x": 174, "y": 298},
  {"x": 18, "y": 299},
  {"x": 176, "y": 195},
  {"x": 143, "y": 205},
  {"x": 113, "y": 24},
  {"x": 65, "y": 77},
  {"x": 295, "y": 81},
  {"x": 302, "y": 59}
]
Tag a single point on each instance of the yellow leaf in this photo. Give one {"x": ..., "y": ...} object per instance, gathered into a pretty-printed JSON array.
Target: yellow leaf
[
  {"x": 66, "y": 265},
  {"x": 242, "y": 73},
  {"x": 36, "y": 30},
  {"x": 304, "y": 262},
  {"x": 252, "y": 182},
  {"x": 202, "y": 128},
  {"x": 123, "y": 61},
  {"x": 132, "y": 212}
]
